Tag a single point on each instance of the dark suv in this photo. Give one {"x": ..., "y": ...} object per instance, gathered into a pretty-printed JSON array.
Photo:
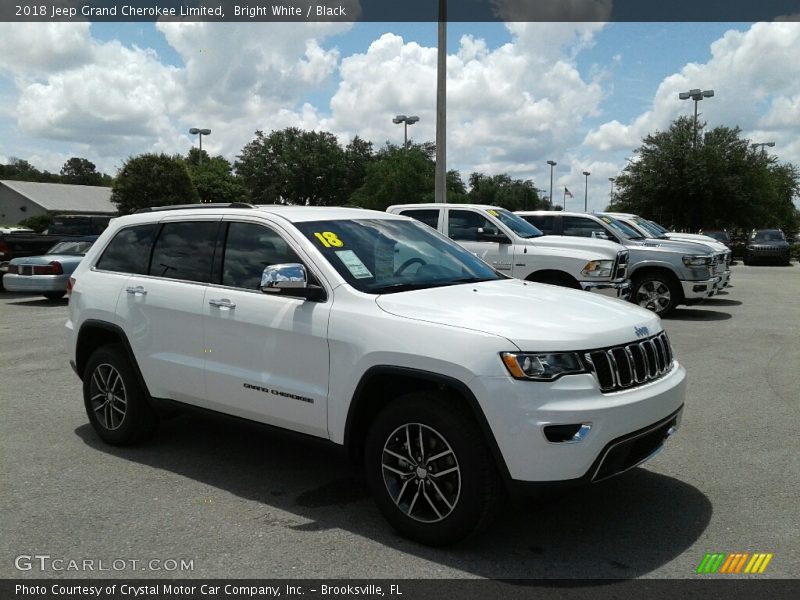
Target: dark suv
[{"x": 767, "y": 245}]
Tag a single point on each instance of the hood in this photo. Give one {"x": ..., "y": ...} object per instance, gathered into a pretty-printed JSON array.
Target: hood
[
  {"x": 716, "y": 245},
  {"x": 769, "y": 244},
  {"x": 603, "y": 248},
  {"x": 533, "y": 316},
  {"x": 677, "y": 246}
]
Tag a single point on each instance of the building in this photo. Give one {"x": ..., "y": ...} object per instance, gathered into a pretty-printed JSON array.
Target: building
[{"x": 21, "y": 200}]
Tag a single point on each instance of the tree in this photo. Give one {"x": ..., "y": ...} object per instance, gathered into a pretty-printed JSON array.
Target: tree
[
  {"x": 292, "y": 166},
  {"x": 152, "y": 180},
  {"x": 721, "y": 182},
  {"x": 18, "y": 169},
  {"x": 80, "y": 171},
  {"x": 38, "y": 222},
  {"x": 502, "y": 190},
  {"x": 214, "y": 179}
]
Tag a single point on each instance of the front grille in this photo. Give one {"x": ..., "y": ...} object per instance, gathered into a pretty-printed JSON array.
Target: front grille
[
  {"x": 719, "y": 264},
  {"x": 621, "y": 265},
  {"x": 631, "y": 365}
]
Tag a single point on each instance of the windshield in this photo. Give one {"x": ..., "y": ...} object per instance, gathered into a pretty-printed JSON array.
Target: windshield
[
  {"x": 720, "y": 236},
  {"x": 621, "y": 228},
  {"x": 515, "y": 223},
  {"x": 768, "y": 236},
  {"x": 660, "y": 228},
  {"x": 382, "y": 256},
  {"x": 646, "y": 227},
  {"x": 74, "y": 248}
]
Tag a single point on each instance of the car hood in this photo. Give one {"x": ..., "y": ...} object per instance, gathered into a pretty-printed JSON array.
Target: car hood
[
  {"x": 533, "y": 316},
  {"x": 681, "y": 246},
  {"x": 702, "y": 239},
  {"x": 603, "y": 248},
  {"x": 773, "y": 244}
]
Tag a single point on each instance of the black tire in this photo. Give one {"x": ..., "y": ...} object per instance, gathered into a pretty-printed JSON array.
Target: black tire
[
  {"x": 453, "y": 504},
  {"x": 747, "y": 260},
  {"x": 115, "y": 402},
  {"x": 54, "y": 295},
  {"x": 657, "y": 292}
]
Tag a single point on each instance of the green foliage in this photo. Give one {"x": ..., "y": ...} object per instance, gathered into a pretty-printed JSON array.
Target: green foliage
[
  {"x": 719, "y": 182},
  {"x": 502, "y": 190},
  {"x": 298, "y": 167},
  {"x": 214, "y": 180},
  {"x": 38, "y": 222},
  {"x": 80, "y": 171},
  {"x": 152, "y": 180},
  {"x": 21, "y": 170},
  {"x": 396, "y": 176}
]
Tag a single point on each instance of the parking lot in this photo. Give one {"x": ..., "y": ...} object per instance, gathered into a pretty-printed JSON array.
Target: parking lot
[{"x": 241, "y": 502}]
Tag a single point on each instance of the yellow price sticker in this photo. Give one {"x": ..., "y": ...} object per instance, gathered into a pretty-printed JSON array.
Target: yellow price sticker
[
  {"x": 329, "y": 239},
  {"x": 494, "y": 213}
]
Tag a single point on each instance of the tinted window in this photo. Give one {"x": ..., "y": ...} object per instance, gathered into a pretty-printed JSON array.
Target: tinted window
[
  {"x": 184, "y": 251},
  {"x": 545, "y": 223},
  {"x": 429, "y": 217},
  {"x": 580, "y": 227},
  {"x": 248, "y": 249},
  {"x": 129, "y": 251},
  {"x": 463, "y": 225}
]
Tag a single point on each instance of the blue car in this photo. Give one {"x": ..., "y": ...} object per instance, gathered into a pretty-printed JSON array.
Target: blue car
[{"x": 47, "y": 274}]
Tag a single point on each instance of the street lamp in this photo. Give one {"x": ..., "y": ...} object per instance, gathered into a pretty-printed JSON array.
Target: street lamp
[
  {"x": 586, "y": 192},
  {"x": 695, "y": 95},
  {"x": 406, "y": 121},
  {"x": 201, "y": 133},
  {"x": 611, "y": 194},
  {"x": 552, "y": 164},
  {"x": 763, "y": 144}
]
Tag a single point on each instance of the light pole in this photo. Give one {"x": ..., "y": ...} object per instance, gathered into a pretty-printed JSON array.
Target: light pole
[
  {"x": 762, "y": 145},
  {"x": 586, "y": 192},
  {"x": 611, "y": 193},
  {"x": 695, "y": 95},
  {"x": 201, "y": 133},
  {"x": 406, "y": 121},
  {"x": 440, "y": 174},
  {"x": 552, "y": 164}
]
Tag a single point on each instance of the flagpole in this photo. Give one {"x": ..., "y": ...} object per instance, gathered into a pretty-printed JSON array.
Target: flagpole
[{"x": 564, "y": 203}]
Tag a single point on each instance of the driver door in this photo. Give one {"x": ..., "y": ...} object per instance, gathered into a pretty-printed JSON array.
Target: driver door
[{"x": 472, "y": 230}]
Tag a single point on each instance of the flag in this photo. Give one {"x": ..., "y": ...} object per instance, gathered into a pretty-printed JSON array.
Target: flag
[{"x": 567, "y": 192}]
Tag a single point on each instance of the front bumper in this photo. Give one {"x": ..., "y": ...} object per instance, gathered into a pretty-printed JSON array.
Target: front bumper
[
  {"x": 700, "y": 290},
  {"x": 612, "y": 289},
  {"x": 35, "y": 283},
  {"x": 521, "y": 413}
]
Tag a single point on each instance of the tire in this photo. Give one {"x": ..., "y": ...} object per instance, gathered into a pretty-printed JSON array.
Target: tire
[
  {"x": 656, "y": 292},
  {"x": 746, "y": 260},
  {"x": 115, "y": 401},
  {"x": 54, "y": 295},
  {"x": 461, "y": 489}
]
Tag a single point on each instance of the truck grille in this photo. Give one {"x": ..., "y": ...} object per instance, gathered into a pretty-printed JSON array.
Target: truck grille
[
  {"x": 621, "y": 265},
  {"x": 631, "y": 365},
  {"x": 719, "y": 264}
]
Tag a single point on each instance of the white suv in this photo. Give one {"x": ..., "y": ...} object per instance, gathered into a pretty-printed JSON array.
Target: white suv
[{"x": 450, "y": 381}]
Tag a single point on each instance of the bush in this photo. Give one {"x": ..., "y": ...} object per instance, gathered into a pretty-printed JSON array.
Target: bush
[
  {"x": 794, "y": 250},
  {"x": 38, "y": 223}
]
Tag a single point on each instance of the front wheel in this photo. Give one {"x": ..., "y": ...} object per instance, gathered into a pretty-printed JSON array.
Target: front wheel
[
  {"x": 115, "y": 401},
  {"x": 655, "y": 292},
  {"x": 430, "y": 471}
]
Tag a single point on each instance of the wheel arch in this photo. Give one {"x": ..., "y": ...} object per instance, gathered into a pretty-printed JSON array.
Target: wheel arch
[
  {"x": 401, "y": 381},
  {"x": 554, "y": 277}
]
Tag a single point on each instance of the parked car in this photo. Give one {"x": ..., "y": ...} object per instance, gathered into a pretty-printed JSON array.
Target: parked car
[
  {"x": 723, "y": 257},
  {"x": 47, "y": 274},
  {"x": 664, "y": 273},
  {"x": 15, "y": 229},
  {"x": 516, "y": 248},
  {"x": 718, "y": 234},
  {"x": 767, "y": 245},
  {"x": 448, "y": 380}
]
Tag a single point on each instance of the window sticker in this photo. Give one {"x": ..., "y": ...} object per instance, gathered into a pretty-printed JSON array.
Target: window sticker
[
  {"x": 494, "y": 213},
  {"x": 328, "y": 239},
  {"x": 353, "y": 264}
]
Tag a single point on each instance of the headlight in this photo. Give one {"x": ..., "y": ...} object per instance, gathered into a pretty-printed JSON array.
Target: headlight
[
  {"x": 598, "y": 268},
  {"x": 699, "y": 260},
  {"x": 541, "y": 367}
]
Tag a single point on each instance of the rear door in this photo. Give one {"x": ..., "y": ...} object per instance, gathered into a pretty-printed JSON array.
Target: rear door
[{"x": 163, "y": 309}]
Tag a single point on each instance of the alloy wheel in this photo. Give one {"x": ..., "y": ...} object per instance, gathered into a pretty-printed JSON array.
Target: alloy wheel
[{"x": 108, "y": 396}]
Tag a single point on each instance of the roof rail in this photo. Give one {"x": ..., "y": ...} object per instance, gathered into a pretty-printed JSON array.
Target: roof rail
[{"x": 148, "y": 209}]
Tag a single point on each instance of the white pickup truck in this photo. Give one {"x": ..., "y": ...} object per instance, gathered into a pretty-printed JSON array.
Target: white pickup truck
[{"x": 515, "y": 247}]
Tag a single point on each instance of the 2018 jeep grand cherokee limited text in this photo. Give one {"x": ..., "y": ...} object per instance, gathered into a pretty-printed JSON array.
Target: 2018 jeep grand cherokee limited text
[{"x": 450, "y": 381}]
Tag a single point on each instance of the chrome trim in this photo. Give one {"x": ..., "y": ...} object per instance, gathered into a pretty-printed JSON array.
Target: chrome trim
[{"x": 654, "y": 361}]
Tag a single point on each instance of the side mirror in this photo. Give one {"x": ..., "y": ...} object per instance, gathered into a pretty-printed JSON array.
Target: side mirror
[
  {"x": 289, "y": 279},
  {"x": 600, "y": 235},
  {"x": 492, "y": 236}
]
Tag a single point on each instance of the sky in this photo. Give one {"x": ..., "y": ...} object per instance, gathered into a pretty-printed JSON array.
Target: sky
[{"x": 518, "y": 94}]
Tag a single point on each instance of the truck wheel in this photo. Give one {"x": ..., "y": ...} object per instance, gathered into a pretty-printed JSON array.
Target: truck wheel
[
  {"x": 655, "y": 292},
  {"x": 114, "y": 399},
  {"x": 54, "y": 295},
  {"x": 430, "y": 470}
]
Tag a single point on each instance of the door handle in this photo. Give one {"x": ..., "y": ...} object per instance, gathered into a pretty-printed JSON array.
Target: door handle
[
  {"x": 222, "y": 303},
  {"x": 138, "y": 290}
]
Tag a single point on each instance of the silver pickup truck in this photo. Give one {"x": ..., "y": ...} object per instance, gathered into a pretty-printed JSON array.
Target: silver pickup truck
[
  {"x": 514, "y": 247},
  {"x": 664, "y": 273}
]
